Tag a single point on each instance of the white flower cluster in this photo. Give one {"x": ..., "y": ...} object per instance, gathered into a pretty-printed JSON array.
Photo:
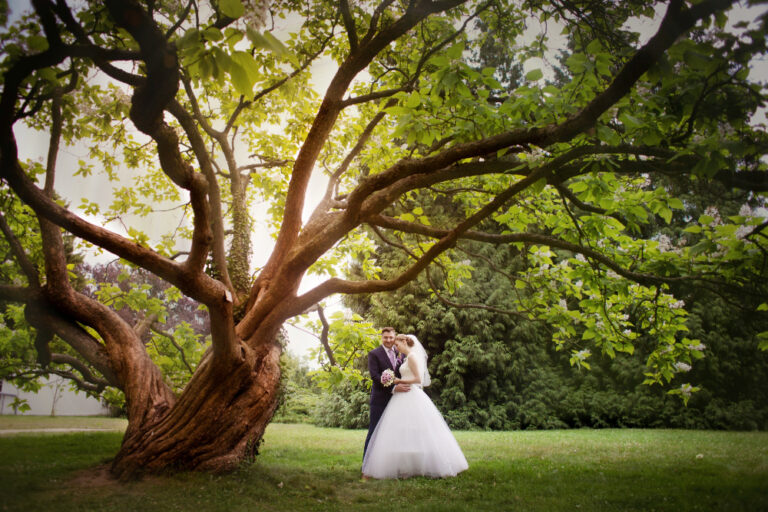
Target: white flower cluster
[
  {"x": 563, "y": 304},
  {"x": 743, "y": 231},
  {"x": 256, "y": 13},
  {"x": 581, "y": 355},
  {"x": 686, "y": 389},
  {"x": 700, "y": 347},
  {"x": 665, "y": 243},
  {"x": 745, "y": 210},
  {"x": 678, "y": 304},
  {"x": 713, "y": 212},
  {"x": 121, "y": 96},
  {"x": 682, "y": 367}
]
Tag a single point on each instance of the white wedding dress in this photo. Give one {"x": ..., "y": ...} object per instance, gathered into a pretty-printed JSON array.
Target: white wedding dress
[{"x": 412, "y": 438}]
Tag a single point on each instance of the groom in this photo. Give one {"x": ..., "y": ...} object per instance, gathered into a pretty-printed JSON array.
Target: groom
[{"x": 380, "y": 359}]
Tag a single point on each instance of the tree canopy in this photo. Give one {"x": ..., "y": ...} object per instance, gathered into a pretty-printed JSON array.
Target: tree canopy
[{"x": 444, "y": 121}]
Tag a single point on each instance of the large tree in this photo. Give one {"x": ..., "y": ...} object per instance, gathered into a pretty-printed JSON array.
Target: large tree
[{"x": 228, "y": 117}]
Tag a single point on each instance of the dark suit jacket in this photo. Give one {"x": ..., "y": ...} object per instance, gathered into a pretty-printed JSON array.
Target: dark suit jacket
[{"x": 377, "y": 363}]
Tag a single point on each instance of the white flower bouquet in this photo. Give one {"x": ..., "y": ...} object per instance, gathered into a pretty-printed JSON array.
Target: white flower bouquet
[{"x": 387, "y": 378}]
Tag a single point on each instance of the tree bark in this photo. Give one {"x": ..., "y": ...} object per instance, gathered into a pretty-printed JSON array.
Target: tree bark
[{"x": 217, "y": 422}]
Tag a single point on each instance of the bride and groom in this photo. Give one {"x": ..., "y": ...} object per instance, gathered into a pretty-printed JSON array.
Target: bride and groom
[{"x": 407, "y": 435}]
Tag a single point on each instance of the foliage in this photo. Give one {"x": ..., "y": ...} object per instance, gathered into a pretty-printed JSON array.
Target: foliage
[
  {"x": 498, "y": 370},
  {"x": 345, "y": 405},
  {"x": 299, "y": 395}
]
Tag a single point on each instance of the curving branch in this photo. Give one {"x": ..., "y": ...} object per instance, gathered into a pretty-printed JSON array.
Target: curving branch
[
  {"x": 324, "y": 334},
  {"x": 39, "y": 315},
  {"x": 349, "y": 24},
  {"x": 527, "y": 238},
  {"x": 372, "y": 25},
  {"x": 78, "y": 365},
  {"x": 20, "y": 255},
  {"x": 446, "y": 241},
  {"x": 323, "y": 124},
  {"x": 181, "y": 20},
  {"x": 187, "y": 123},
  {"x": 13, "y": 293},
  {"x": 365, "y": 98},
  {"x": 155, "y": 328},
  {"x": 359, "y": 145},
  {"x": 460, "y": 305}
]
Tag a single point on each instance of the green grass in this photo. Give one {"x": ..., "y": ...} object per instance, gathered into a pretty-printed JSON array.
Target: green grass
[
  {"x": 308, "y": 468},
  {"x": 9, "y": 422}
]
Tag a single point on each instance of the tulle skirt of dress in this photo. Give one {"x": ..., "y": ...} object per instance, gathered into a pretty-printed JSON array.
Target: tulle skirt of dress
[{"x": 412, "y": 438}]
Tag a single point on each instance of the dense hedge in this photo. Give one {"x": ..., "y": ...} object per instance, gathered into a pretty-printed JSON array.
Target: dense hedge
[{"x": 501, "y": 372}]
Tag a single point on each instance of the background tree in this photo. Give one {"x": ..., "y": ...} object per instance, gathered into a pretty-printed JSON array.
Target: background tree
[{"x": 226, "y": 116}]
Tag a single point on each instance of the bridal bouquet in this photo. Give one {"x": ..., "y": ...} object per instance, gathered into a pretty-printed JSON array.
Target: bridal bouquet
[{"x": 387, "y": 378}]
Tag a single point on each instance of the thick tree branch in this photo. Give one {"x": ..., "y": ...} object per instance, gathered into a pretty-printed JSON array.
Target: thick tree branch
[
  {"x": 349, "y": 24},
  {"x": 323, "y": 124},
  {"x": 13, "y": 293},
  {"x": 448, "y": 240},
  {"x": 214, "y": 193}
]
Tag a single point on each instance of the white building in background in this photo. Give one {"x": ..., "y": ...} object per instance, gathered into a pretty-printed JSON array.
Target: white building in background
[{"x": 55, "y": 398}]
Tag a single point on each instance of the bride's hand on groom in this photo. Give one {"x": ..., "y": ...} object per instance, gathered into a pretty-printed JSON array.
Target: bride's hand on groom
[{"x": 401, "y": 388}]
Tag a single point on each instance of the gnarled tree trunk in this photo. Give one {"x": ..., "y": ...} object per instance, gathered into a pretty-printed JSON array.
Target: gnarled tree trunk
[{"x": 217, "y": 422}]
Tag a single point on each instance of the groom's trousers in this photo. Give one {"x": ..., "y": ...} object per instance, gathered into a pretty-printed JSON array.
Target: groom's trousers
[{"x": 376, "y": 411}]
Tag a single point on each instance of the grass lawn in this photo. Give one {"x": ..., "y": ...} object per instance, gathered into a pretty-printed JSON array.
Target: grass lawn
[
  {"x": 8, "y": 422},
  {"x": 303, "y": 467}
]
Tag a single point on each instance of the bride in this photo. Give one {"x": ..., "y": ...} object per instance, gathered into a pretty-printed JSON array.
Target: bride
[{"x": 412, "y": 437}]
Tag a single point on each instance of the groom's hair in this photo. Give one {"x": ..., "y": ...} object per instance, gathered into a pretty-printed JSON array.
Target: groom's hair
[{"x": 388, "y": 329}]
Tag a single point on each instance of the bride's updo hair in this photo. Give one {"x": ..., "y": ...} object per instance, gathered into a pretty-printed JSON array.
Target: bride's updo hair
[{"x": 408, "y": 341}]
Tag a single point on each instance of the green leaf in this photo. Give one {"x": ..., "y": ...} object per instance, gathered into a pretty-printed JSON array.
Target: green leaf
[
  {"x": 231, "y": 8},
  {"x": 666, "y": 214},
  {"x": 213, "y": 34},
  {"x": 538, "y": 186},
  {"x": 675, "y": 203},
  {"x": 762, "y": 340},
  {"x": 248, "y": 63},
  {"x": 594, "y": 47},
  {"x": 240, "y": 80},
  {"x": 534, "y": 75},
  {"x": 267, "y": 41},
  {"x": 630, "y": 121},
  {"x": 38, "y": 43}
]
